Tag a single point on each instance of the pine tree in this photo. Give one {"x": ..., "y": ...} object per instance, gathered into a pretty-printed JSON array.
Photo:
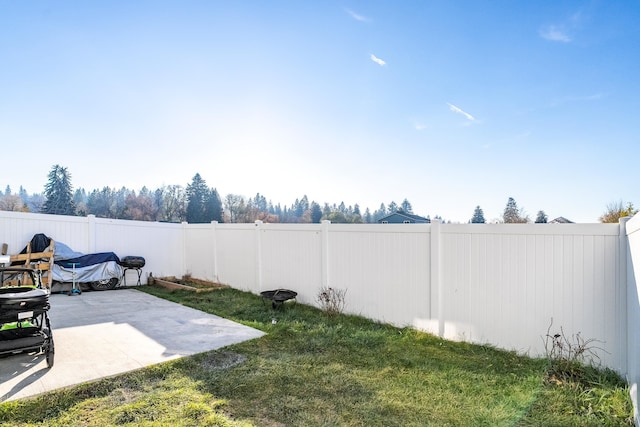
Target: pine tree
[
  {"x": 541, "y": 218},
  {"x": 213, "y": 206},
  {"x": 380, "y": 213},
  {"x": 22, "y": 193},
  {"x": 100, "y": 203},
  {"x": 197, "y": 193},
  {"x": 478, "y": 216},
  {"x": 59, "y": 193},
  {"x": 260, "y": 203},
  {"x": 304, "y": 203},
  {"x": 120, "y": 205},
  {"x": 367, "y": 216},
  {"x": 512, "y": 214},
  {"x": 80, "y": 196},
  {"x": 406, "y": 206},
  {"x": 316, "y": 213},
  {"x": 296, "y": 208}
]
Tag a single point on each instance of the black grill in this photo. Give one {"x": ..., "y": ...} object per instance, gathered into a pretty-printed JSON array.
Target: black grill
[{"x": 132, "y": 262}]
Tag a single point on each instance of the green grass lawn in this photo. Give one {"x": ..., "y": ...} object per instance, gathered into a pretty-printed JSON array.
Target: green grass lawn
[{"x": 314, "y": 370}]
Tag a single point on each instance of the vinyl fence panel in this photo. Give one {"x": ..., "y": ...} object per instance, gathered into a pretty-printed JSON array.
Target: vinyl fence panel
[
  {"x": 385, "y": 270},
  {"x": 505, "y": 284},
  {"x": 291, "y": 258},
  {"x": 161, "y": 244},
  {"x": 237, "y": 256},
  {"x": 17, "y": 229}
]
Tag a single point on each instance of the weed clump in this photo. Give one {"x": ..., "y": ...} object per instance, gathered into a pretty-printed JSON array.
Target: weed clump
[
  {"x": 569, "y": 357},
  {"x": 332, "y": 301}
]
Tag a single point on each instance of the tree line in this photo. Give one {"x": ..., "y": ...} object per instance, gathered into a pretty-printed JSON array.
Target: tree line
[
  {"x": 195, "y": 203},
  {"x": 514, "y": 215},
  {"x": 199, "y": 203}
]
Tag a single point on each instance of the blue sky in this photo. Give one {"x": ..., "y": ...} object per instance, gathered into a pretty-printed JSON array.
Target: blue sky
[{"x": 450, "y": 104}]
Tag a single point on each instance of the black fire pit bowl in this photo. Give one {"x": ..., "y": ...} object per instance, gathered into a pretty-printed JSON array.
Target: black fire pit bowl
[{"x": 278, "y": 296}]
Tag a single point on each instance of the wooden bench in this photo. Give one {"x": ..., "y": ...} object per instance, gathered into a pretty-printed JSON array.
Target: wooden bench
[{"x": 42, "y": 261}]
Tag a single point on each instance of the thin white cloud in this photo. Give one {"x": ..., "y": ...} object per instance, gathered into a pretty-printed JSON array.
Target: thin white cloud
[
  {"x": 555, "y": 34},
  {"x": 578, "y": 18},
  {"x": 377, "y": 60},
  {"x": 357, "y": 16},
  {"x": 593, "y": 97},
  {"x": 565, "y": 30},
  {"x": 583, "y": 98},
  {"x": 460, "y": 111}
]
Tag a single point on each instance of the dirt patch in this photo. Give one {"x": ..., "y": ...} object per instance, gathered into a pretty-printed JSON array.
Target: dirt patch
[{"x": 222, "y": 360}]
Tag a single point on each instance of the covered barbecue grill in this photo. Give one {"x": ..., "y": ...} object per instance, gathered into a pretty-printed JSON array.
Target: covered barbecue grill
[{"x": 132, "y": 262}]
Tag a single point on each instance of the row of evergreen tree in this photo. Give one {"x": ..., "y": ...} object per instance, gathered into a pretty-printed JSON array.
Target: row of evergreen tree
[
  {"x": 197, "y": 203},
  {"x": 511, "y": 215}
]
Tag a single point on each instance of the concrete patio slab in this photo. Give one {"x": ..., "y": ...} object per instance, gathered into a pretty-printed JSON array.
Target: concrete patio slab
[{"x": 101, "y": 334}]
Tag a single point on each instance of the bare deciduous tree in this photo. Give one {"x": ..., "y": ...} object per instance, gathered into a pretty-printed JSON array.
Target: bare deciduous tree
[
  {"x": 235, "y": 208},
  {"x": 617, "y": 210},
  {"x": 12, "y": 203}
]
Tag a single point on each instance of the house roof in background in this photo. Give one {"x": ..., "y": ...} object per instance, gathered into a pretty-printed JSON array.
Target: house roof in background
[
  {"x": 561, "y": 220},
  {"x": 406, "y": 215}
]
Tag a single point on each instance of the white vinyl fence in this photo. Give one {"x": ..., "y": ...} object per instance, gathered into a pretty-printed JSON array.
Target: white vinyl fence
[{"x": 500, "y": 284}]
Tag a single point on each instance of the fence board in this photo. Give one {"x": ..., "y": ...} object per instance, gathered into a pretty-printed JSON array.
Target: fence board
[
  {"x": 384, "y": 272},
  {"x": 237, "y": 256},
  {"x": 292, "y": 259}
]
